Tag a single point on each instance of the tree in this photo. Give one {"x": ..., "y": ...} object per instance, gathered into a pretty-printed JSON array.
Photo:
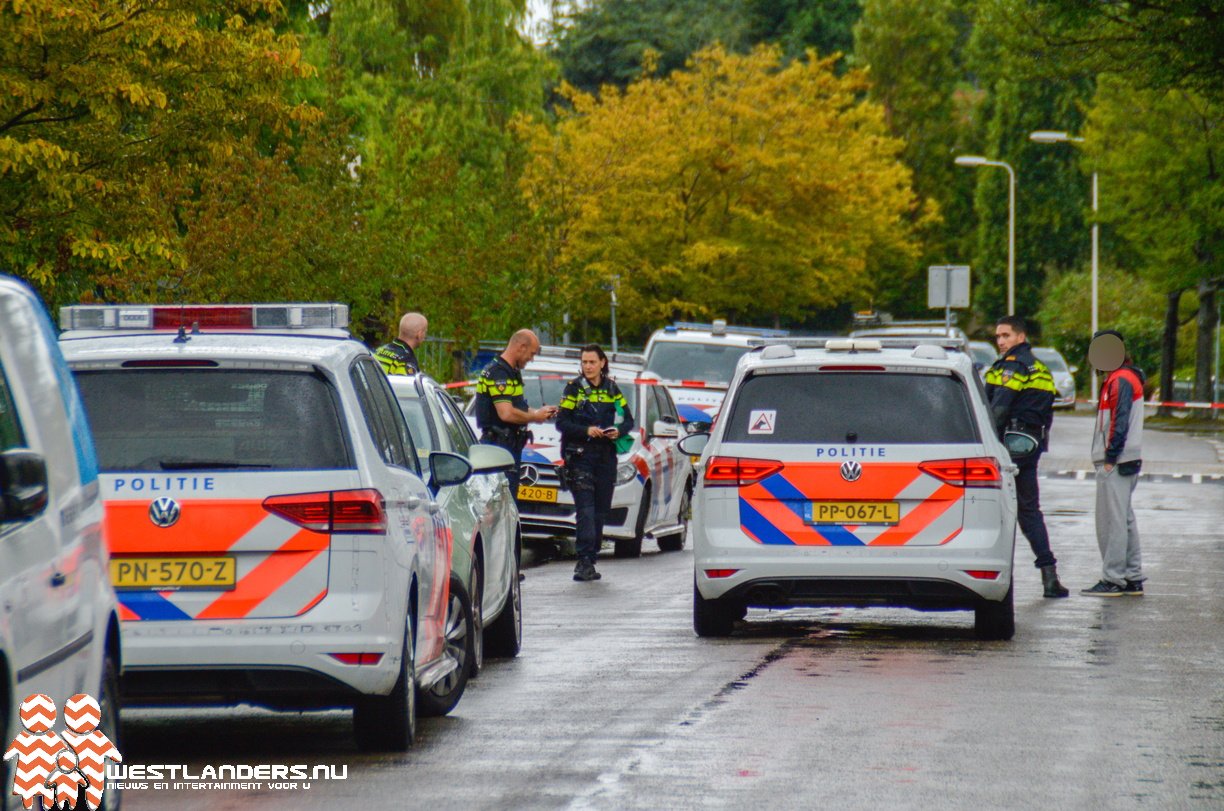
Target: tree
[
  {"x": 1159, "y": 154},
  {"x": 109, "y": 107},
  {"x": 739, "y": 187}
]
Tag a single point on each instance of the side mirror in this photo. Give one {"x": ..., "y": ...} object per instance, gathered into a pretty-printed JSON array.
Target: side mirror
[
  {"x": 448, "y": 469},
  {"x": 490, "y": 459},
  {"x": 23, "y": 484},
  {"x": 694, "y": 444},
  {"x": 665, "y": 429}
]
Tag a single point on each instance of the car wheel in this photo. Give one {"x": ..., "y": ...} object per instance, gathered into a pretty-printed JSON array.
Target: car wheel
[
  {"x": 675, "y": 541},
  {"x": 459, "y": 639},
  {"x": 477, "y": 595},
  {"x": 388, "y": 723},
  {"x": 995, "y": 620},
  {"x": 504, "y": 636},
  {"x": 713, "y": 618},
  {"x": 108, "y": 705},
  {"x": 632, "y": 547}
]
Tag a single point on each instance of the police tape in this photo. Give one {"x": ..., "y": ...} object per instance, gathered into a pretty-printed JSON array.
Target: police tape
[{"x": 1167, "y": 404}]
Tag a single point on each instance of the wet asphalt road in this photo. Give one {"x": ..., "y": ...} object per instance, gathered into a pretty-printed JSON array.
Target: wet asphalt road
[{"x": 614, "y": 703}]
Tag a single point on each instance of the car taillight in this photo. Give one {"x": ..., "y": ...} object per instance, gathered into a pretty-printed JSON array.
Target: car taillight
[
  {"x": 357, "y": 658},
  {"x": 982, "y": 574},
  {"x": 351, "y": 511},
  {"x": 715, "y": 574},
  {"x": 978, "y": 472},
  {"x": 729, "y": 471}
]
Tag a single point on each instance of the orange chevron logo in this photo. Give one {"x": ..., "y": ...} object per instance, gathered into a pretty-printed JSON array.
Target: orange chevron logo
[{"x": 53, "y": 768}]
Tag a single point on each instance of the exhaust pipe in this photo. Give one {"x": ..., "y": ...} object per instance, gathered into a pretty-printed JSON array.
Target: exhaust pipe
[{"x": 766, "y": 595}]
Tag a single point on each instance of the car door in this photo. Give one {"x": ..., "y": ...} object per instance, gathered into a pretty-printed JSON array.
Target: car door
[
  {"x": 652, "y": 447},
  {"x": 461, "y": 503},
  {"x": 423, "y": 531},
  {"x": 675, "y": 461}
]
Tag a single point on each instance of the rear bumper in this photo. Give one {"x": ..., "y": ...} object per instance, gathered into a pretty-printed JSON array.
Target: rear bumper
[
  {"x": 557, "y": 521},
  {"x": 919, "y": 593}
]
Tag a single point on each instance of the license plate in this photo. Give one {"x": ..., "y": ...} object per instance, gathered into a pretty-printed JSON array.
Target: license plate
[
  {"x": 537, "y": 493},
  {"x": 853, "y": 512},
  {"x": 173, "y": 573}
]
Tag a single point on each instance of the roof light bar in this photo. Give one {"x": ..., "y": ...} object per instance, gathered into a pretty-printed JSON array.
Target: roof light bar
[{"x": 215, "y": 316}]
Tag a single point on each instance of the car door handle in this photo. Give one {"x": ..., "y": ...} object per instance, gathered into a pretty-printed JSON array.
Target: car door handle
[
  {"x": 412, "y": 502},
  {"x": 58, "y": 579}
]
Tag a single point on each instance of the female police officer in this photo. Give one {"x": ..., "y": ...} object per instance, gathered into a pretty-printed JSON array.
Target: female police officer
[{"x": 591, "y": 406}]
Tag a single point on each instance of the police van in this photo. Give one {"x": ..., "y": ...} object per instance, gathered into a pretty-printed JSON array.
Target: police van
[
  {"x": 854, "y": 473},
  {"x": 59, "y": 628},
  {"x": 274, "y": 537},
  {"x": 696, "y": 361}
]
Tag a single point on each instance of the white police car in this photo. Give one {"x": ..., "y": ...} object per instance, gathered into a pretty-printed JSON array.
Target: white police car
[
  {"x": 59, "y": 626},
  {"x": 853, "y": 475},
  {"x": 696, "y": 361},
  {"x": 653, "y": 478},
  {"x": 274, "y": 538}
]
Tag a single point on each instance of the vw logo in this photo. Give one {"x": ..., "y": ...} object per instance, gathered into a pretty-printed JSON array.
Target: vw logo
[
  {"x": 529, "y": 476},
  {"x": 851, "y": 471},
  {"x": 164, "y": 512}
]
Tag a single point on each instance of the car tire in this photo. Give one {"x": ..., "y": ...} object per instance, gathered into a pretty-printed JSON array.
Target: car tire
[
  {"x": 504, "y": 636},
  {"x": 632, "y": 547},
  {"x": 459, "y": 642},
  {"x": 388, "y": 723},
  {"x": 477, "y": 595},
  {"x": 675, "y": 541},
  {"x": 714, "y": 618},
  {"x": 111, "y": 725},
  {"x": 995, "y": 620}
]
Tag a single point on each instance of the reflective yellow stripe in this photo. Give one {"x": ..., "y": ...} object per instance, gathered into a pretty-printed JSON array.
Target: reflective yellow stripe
[{"x": 568, "y": 402}]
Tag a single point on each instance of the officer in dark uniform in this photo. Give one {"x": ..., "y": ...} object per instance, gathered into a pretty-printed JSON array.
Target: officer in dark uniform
[
  {"x": 399, "y": 356},
  {"x": 502, "y": 413},
  {"x": 1021, "y": 391},
  {"x": 593, "y": 414}
]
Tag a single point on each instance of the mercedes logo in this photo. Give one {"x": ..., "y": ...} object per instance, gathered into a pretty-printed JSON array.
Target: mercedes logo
[
  {"x": 528, "y": 475},
  {"x": 851, "y": 471},
  {"x": 164, "y": 512}
]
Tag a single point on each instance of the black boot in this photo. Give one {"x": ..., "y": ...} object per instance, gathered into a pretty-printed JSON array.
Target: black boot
[{"x": 1049, "y": 580}]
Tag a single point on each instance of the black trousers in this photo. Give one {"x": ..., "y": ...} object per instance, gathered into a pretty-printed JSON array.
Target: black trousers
[
  {"x": 1032, "y": 522},
  {"x": 592, "y": 480}
]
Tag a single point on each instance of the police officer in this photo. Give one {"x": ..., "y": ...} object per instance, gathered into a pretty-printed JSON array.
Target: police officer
[
  {"x": 592, "y": 416},
  {"x": 502, "y": 413},
  {"x": 1021, "y": 391},
  {"x": 399, "y": 356}
]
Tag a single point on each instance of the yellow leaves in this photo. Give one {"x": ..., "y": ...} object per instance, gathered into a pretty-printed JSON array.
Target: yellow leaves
[
  {"x": 36, "y": 154},
  {"x": 141, "y": 96}
]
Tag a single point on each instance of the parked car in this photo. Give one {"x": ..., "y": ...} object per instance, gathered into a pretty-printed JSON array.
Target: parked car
[
  {"x": 59, "y": 630},
  {"x": 984, "y": 355},
  {"x": 1064, "y": 379},
  {"x": 275, "y": 537},
  {"x": 904, "y": 498},
  {"x": 653, "y": 479},
  {"x": 484, "y": 521}
]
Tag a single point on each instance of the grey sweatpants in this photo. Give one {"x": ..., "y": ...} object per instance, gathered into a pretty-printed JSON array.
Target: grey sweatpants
[{"x": 1117, "y": 534}]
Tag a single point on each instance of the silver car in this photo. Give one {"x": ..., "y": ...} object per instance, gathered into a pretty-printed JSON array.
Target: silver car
[{"x": 1064, "y": 375}]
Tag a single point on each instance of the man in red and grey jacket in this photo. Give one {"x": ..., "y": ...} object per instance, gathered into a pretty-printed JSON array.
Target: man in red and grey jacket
[{"x": 1116, "y": 454}]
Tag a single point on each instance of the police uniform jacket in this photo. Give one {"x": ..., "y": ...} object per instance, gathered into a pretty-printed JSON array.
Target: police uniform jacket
[
  {"x": 397, "y": 358},
  {"x": 499, "y": 383},
  {"x": 1021, "y": 391},
  {"x": 583, "y": 405}
]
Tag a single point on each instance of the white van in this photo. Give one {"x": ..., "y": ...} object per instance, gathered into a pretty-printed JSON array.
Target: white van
[{"x": 59, "y": 627}]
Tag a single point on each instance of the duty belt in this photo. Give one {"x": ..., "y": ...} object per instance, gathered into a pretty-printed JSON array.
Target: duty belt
[{"x": 506, "y": 437}]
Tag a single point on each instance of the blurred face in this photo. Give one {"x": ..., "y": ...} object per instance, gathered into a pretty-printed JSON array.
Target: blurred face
[
  {"x": 592, "y": 366},
  {"x": 1006, "y": 338},
  {"x": 527, "y": 351}
]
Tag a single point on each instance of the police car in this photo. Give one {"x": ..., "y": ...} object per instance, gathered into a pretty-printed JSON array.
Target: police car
[
  {"x": 696, "y": 361},
  {"x": 274, "y": 537},
  {"x": 483, "y": 519},
  {"x": 653, "y": 479},
  {"x": 853, "y": 474},
  {"x": 59, "y": 628}
]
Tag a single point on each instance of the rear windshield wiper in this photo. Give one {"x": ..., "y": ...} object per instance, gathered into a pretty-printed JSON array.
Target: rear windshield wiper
[{"x": 206, "y": 464}]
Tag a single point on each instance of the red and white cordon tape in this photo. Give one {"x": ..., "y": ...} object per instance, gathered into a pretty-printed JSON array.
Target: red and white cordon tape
[{"x": 1167, "y": 404}]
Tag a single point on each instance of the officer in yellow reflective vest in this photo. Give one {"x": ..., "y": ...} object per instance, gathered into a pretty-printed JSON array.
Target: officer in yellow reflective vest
[
  {"x": 399, "y": 356},
  {"x": 1021, "y": 391}
]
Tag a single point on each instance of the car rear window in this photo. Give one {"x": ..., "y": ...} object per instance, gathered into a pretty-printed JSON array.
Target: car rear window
[
  {"x": 848, "y": 407},
  {"x": 214, "y": 419},
  {"x": 711, "y": 363}
]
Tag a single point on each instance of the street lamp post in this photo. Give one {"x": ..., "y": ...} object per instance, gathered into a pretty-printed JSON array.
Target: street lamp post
[
  {"x": 1055, "y": 137},
  {"x": 978, "y": 160}
]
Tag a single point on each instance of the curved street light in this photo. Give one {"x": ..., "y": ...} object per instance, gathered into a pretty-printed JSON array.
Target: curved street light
[{"x": 978, "y": 160}]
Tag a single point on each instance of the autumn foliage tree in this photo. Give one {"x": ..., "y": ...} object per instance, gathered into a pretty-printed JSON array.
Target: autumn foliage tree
[{"x": 740, "y": 187}]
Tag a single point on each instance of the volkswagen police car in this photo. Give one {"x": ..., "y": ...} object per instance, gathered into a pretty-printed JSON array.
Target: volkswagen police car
[
  {"x": 653, "y": 479},
  {"x": 853, "y": 474},
  {"x": 274, "y": 539},
  {"x": 696, "y": 361}
]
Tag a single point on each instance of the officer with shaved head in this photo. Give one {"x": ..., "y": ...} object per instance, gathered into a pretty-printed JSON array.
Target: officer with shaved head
[{"x": 399, "y": 356}]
